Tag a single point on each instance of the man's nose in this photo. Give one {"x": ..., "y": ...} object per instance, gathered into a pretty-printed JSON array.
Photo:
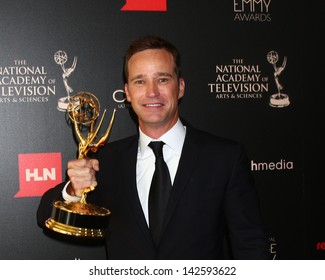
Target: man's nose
[{"x": 152, "y": 89}]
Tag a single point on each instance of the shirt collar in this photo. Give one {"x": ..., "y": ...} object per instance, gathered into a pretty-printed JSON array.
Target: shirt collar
[{"x": 174, "y": 138}]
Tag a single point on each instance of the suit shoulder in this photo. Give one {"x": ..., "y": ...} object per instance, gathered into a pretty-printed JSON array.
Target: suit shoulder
[
  {"x": 118, "y": 146},
  {"x": 208, "y": 139},
  {"x": 123, "y": 142}
]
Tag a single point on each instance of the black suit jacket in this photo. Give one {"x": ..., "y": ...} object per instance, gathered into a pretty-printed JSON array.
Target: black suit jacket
[{"x": 213, "y": 196}]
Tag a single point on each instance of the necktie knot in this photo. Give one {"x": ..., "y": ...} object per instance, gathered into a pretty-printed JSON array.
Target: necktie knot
[{"x": 157, "y": 147}]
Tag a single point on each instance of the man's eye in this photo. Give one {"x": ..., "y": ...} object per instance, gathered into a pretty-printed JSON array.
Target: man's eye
[
  {"x": 139, "y": 82},
  {"x": 163, "y": 80}
]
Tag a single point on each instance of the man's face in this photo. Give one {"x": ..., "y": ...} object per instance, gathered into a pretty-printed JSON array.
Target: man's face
[{"x": 154, "y": 89}]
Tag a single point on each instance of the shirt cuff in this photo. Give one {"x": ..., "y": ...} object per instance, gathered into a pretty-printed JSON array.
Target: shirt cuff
[{"x": 67, "y": 197}]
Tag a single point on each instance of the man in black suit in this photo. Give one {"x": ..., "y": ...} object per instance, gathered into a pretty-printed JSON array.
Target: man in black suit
[{"x": 212, "y": 194}]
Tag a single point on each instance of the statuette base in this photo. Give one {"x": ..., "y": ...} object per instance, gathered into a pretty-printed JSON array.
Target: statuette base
[{"x": 78, "y": 219}]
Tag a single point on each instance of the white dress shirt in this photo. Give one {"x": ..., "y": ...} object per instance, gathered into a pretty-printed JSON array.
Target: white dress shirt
[{"x": 174, "y": 140}]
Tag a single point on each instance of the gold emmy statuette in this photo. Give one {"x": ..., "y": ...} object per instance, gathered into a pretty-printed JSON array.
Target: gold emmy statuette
[{"x": 83, "y": 219}]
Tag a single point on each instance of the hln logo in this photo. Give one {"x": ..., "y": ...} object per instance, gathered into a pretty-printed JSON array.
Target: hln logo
[{"x": 38, "y": 173}]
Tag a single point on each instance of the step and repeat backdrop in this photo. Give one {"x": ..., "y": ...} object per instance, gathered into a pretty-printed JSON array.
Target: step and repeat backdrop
[{"x": 242, "y": 62}]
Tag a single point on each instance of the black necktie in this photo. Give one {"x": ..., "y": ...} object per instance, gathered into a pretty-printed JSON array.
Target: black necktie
[{"x": 159, "y": 191}]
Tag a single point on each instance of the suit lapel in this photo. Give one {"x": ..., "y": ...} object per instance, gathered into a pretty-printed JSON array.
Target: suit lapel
[
  {"x": 129, "y": 159},
  {"x": 187, "y": 163}
]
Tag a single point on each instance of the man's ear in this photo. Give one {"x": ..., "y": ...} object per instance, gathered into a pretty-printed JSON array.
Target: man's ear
[
  {"x": 126, "y": 90},
  {"x": 181, "y": 86}
]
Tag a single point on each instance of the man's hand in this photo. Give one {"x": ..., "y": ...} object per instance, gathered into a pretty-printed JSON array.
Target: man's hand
[{"x": 82, "y": 174}]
